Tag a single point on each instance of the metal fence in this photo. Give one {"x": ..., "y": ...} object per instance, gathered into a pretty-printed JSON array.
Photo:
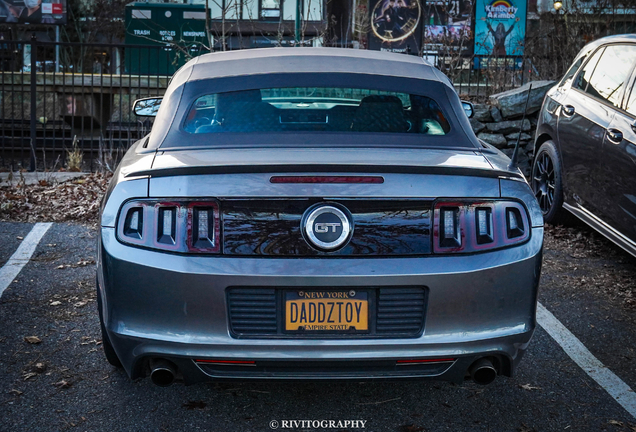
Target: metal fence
[
  {"x": 69, "y": 105},
  {"x": 477, "y": 77},
  {"x": 64, "y": 99}
]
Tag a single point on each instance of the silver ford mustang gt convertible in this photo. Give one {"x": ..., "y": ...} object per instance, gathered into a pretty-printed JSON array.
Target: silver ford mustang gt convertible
[{"x": 316, "y": 213}]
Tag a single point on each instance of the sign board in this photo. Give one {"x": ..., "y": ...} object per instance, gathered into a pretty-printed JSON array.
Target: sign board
[
  {"x": 448, "y": 26},
  {"x": 396, "y": 25},
  {"x": 500, "y": 27},
  {"x": 33, "y": 12},
  {"x": 176, "y": 31}
]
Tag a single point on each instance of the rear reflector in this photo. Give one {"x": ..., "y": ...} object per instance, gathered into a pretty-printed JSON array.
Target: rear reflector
[
  {"x": 228, "y": 362},
  {"x": 326, "y": 179},
  {"x": 414, "y": 361}
]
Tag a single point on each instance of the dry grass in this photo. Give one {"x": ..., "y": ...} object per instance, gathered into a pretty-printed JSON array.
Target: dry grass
[{"x": 74, "y": 157}]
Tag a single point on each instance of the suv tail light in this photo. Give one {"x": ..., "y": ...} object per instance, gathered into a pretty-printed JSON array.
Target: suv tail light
[
  {"x": 179, "y": 226},
  {"x": 479, "y": 225}
]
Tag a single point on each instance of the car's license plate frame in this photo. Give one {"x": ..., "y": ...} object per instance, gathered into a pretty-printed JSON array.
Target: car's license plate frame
[{"x": 333, "y": 317}]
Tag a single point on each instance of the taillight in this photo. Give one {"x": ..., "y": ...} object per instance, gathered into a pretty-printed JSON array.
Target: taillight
[
  {"x": 178, "y": 226},
  {"x": 473, "y": 226}
]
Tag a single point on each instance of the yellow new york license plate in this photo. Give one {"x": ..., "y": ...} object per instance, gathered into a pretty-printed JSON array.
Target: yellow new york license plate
[{"x": 326, "y": 311}]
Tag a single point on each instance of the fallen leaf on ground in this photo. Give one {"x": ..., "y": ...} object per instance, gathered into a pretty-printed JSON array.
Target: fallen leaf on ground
[
  {"x": 33, "y": 339},
  {"x": 615, "y": 423},
  {"x": 55, "y": 303},
  {"x": 16, "y": 392},
  {"x": 74, "y": 200},
  {"x": 63, "y": 384},
  {"x": 28, "y": 375},
  {"x": 39, "y": 367},
  {"x": 529, "y": 387}
]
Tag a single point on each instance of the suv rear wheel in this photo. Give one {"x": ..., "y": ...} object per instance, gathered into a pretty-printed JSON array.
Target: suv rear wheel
[{"x": 547, "y": 183}]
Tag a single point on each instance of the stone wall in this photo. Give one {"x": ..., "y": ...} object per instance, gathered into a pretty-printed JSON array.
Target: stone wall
[{"x": 500, "y": 122}]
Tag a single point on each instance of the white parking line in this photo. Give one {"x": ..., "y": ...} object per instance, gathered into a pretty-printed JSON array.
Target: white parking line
[
  {"x": 573, "y": 347},
  {"x": 12, "y": 268}
]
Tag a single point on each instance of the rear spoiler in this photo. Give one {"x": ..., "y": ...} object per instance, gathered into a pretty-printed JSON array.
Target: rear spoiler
[{"x": 330, "y": 168}]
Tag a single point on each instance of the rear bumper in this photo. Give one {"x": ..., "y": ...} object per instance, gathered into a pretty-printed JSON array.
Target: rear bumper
[
  {"x": 157, "y": 305},
  {"x": 379, "y": 363}
]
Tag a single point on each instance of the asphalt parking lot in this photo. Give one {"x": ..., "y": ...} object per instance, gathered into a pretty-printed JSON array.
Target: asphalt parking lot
[{"x": 54, "y": 376}]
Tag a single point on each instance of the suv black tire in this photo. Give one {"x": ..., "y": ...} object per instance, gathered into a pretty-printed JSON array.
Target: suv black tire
[{"x": 547, "y": 184}]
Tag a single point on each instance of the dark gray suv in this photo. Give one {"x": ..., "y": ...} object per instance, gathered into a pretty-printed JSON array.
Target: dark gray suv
[{"x": 586, "y": 142}]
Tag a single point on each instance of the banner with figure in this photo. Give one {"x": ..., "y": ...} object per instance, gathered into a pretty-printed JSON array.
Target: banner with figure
[
  {"x": 448, "y": 26},
  {"x": 396, "y": 25},
  {"x": 500, "y": 27},
  {"x": 33, "y": 12}
]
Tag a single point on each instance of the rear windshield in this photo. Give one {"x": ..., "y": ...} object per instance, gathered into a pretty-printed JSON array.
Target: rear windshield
[{"x": 316, "y": 109}]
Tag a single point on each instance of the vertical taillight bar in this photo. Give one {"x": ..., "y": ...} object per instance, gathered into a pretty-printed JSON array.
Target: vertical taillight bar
[
  {"x": 483, "y": 223},
  {"x": 204, "y": 227},
  {"x": 450, "y": 232},
  {"x": 449, "y": 227},
  {"x": 167, "y": 225}
]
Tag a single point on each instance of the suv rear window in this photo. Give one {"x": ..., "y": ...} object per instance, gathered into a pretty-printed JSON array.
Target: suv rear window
[{"x": 316, "y": 109}]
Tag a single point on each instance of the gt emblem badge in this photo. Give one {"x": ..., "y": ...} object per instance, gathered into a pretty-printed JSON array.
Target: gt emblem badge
[{"x": 326, "y": 227}]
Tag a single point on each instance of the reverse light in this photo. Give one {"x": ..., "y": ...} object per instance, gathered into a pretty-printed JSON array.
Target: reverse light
[
  {"x": 473, "y": 226},
  {"x": 178, "y": 226}
]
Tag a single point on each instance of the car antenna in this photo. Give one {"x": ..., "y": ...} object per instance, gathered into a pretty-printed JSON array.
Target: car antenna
[{"x": 515, "y": 153}]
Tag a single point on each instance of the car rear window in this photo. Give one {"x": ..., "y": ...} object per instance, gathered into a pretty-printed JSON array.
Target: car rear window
[{"x": 316, "y": 109}]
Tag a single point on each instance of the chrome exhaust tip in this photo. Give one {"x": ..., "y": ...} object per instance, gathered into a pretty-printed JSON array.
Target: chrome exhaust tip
[
  {"x": 482, "y": 371},
  {"x": 162, "y": 372}
]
